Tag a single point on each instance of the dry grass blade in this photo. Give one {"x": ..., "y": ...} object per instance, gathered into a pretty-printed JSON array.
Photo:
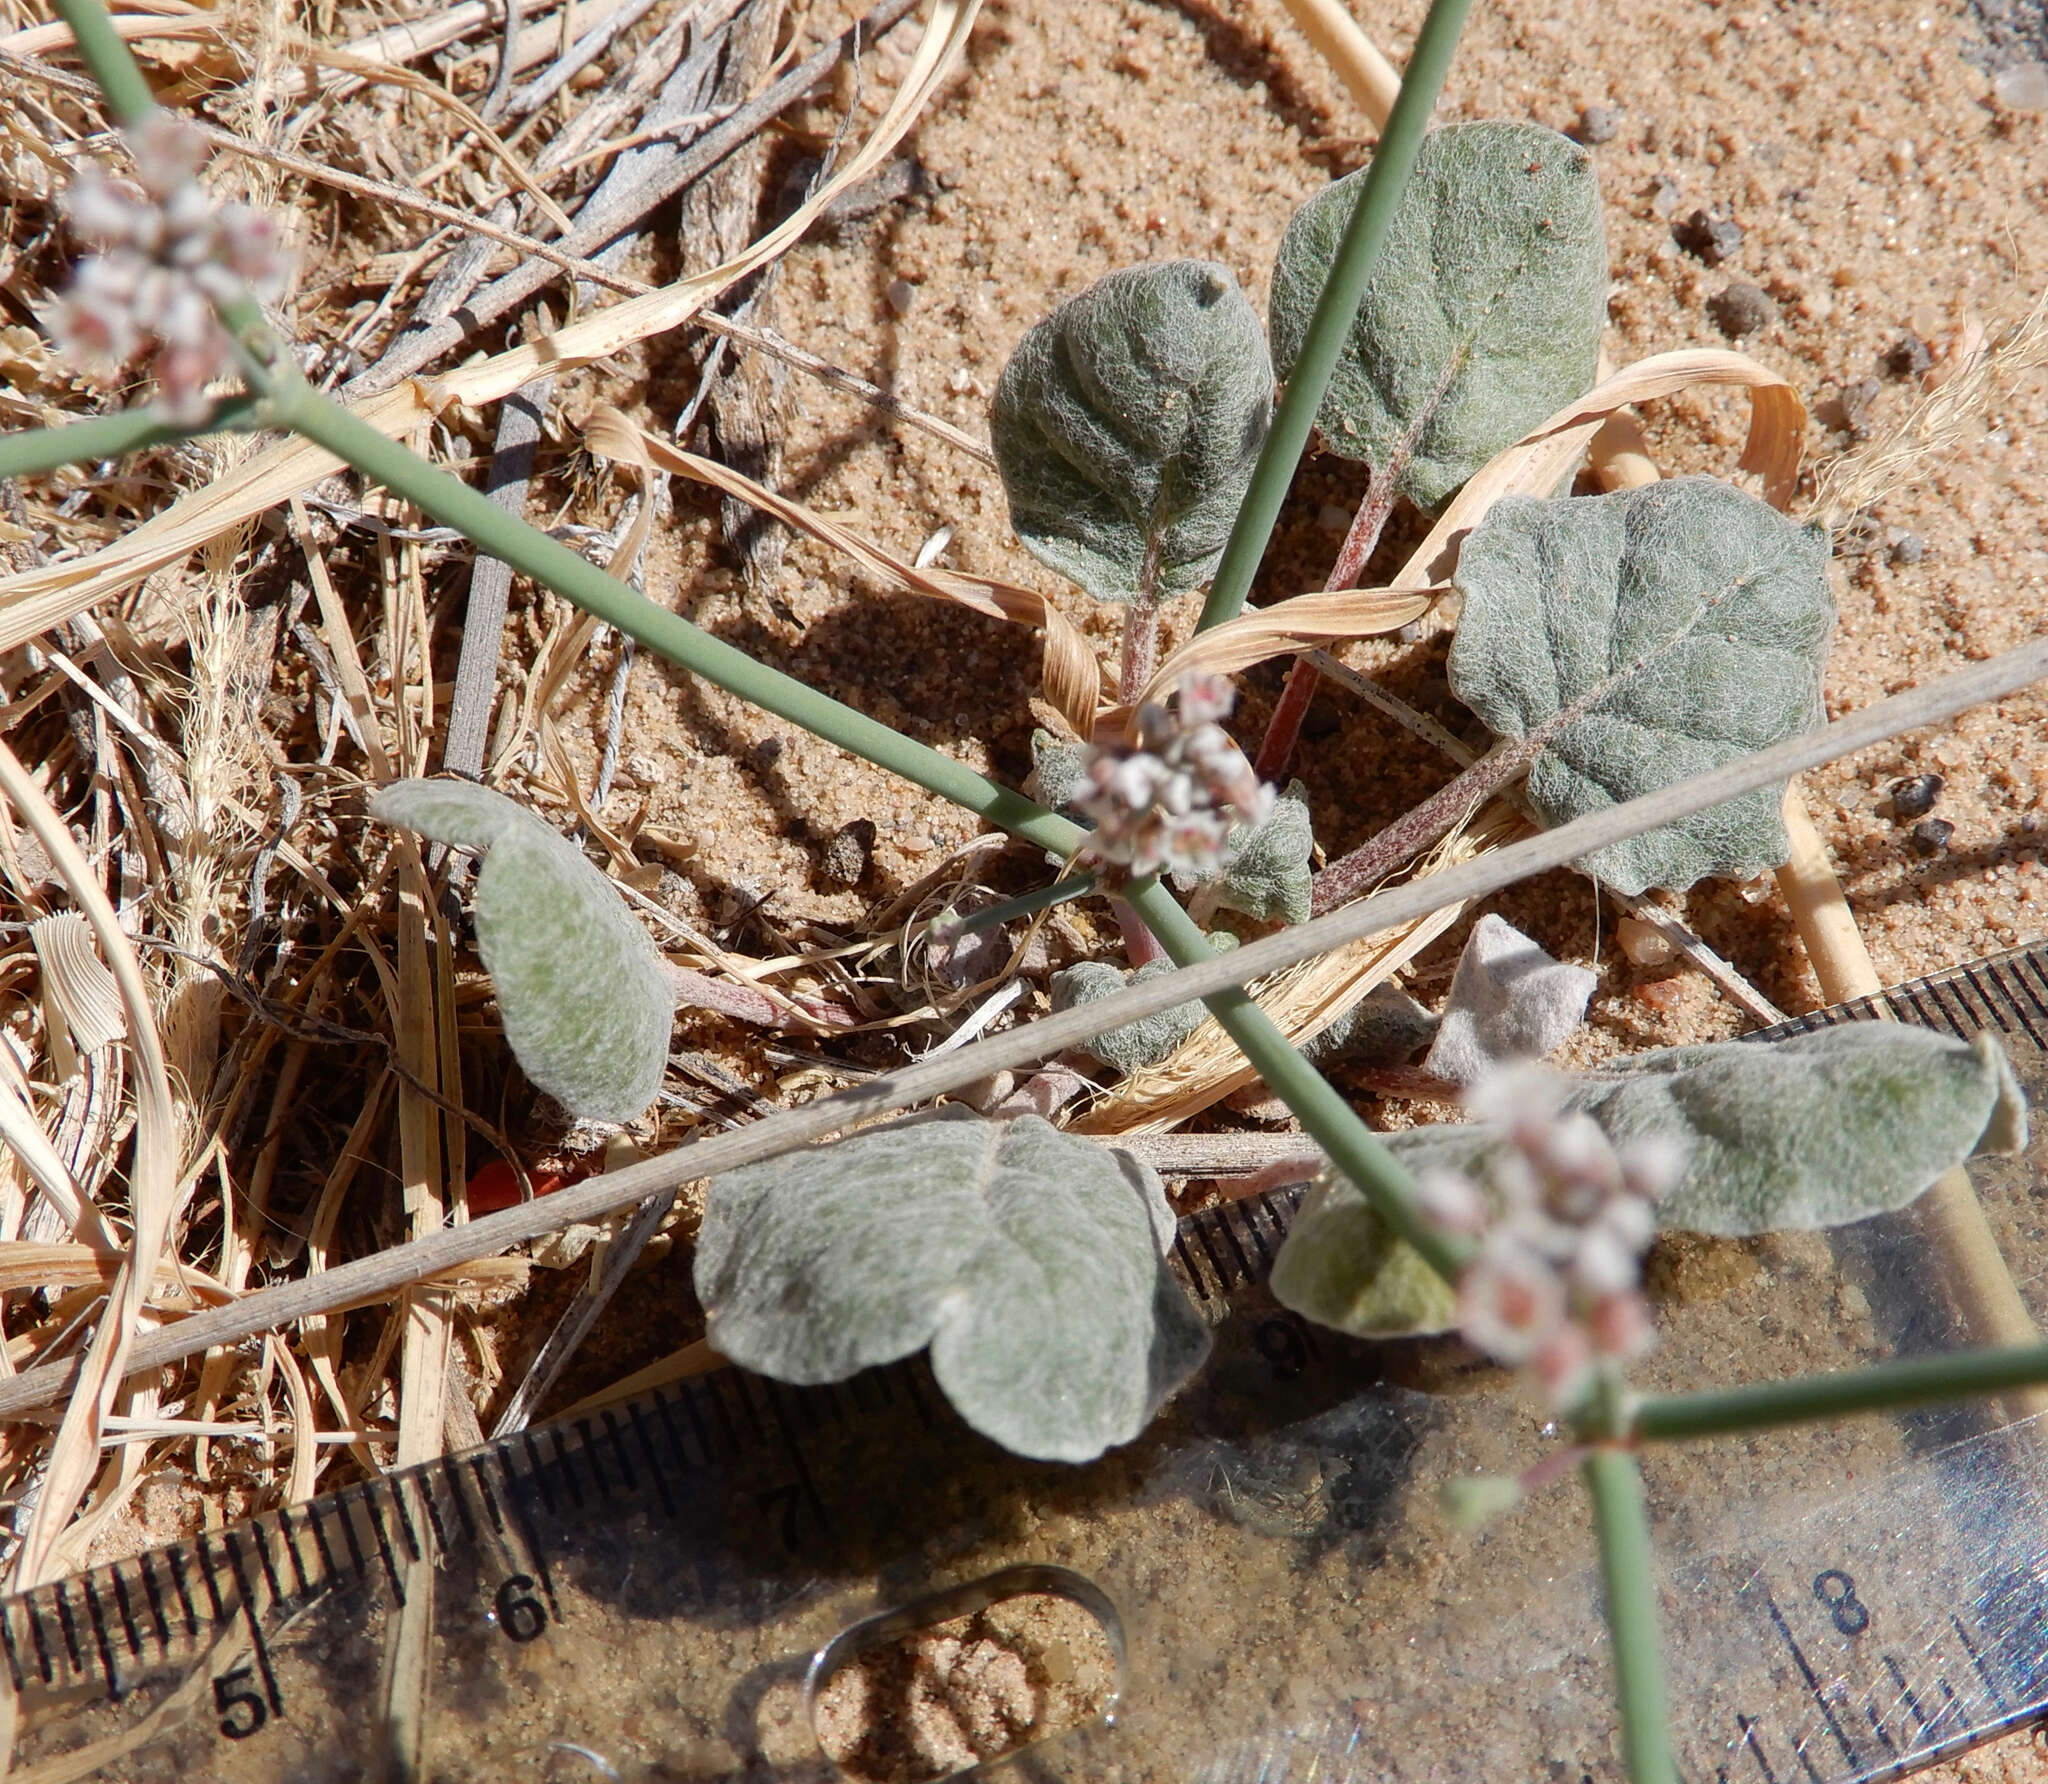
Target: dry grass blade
[
  {"x": 1303, "y": 1000},
  {"x": 1935, "y": 426},
  {"x": 152, "y": 1191},
  {"x": 1536, "y": 462},
  {"x": 1328, "y": 616},
  {"x": 1071, "y": 677},
  {"x": 1353, "y": 57},
  {"x": 34, "y": 601},
  {"x": 33, "y": 1149}
]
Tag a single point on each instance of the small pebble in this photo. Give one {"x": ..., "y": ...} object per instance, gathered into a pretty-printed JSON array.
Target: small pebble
[
  {"x": 1644, "y": 943},
  {"x": 765, "y": 754},
  {"x": 1599, "y": 123},
  {"x": 1740, "y": 310},
  {"x": 1914, "y": 796},
  {"x": 1931, "y": 835},
  {"x": 1667, "y": 195},
  {"x": 901, "y": 294},
  {"x": 2022, "y": 87},
  {"x": 844, "y": 858},
  {"x": 1709, "y": 238},
  {"x": 1852, "y": 406},
  {"x": 1333, "y": 519},
  {"x": 1908, "y": 548},
  {"x": 1908, "y": 356}
]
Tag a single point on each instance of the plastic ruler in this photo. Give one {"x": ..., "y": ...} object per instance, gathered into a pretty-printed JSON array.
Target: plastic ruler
[{"x": 666, "y": 1589}]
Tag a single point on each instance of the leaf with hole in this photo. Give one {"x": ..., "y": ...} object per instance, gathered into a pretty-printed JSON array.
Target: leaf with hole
[
  {"x": 1032, "y": 1263},
  {"x": 1655, "y": 634},
  {"x": 586, "y": 1002},
  {"x": 1126, "y": 426},
  {"x": 1483, "y": 314}
]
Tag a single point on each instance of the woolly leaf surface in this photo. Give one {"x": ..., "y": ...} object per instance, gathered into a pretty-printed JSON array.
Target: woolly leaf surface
[
  {"x": 1030, "y": 1261},
  {"x": 1131, "y": 1046},
  {"x": 1130, "y": 419},
  {"x": 1341, "y": 1266},
  {"x": 1704, "y": 614},
  {"x": 585, "y": 1002},
  {"x": 1509, "y": 1000},
  {"x": 1811, "y": 1132},
  {"x": 1482, "y": 317},
  {"x": 1266, "y": 871}
]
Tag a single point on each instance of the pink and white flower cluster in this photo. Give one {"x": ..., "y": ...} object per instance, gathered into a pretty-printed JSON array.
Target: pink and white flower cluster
[
  {"x": 166, "y": 256},
  {"x": 1563, "y": 1218},
  {"x": 1169, "y": 803}
]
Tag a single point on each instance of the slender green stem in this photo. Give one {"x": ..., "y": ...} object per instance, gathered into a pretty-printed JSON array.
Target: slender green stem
[
  {"x": 1629, "y": 1572},
  {"x": 111, "y": 63},
  {"x": 1916, "y": 1381},
  {"x": 1324, "y": 1115},
  {"x": 35, "y": 450},
  {"x": 1011, "y": 910},
  {"x": 1385, "y": 180}
]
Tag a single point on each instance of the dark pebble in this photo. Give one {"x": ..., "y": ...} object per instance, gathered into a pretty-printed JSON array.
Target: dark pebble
[
  {"x": 1930, "y": 835},
  {"x": 1741, "y": 310},
  {"x": 1907, "y": 357},
  {"x": 1908, "y": 548},
  {"x": 1914, "y": 796},
  {"x": 766, "y": 754},
  {"x": 1598, "y": 124},
  {"x": 1713, "y": 239},
  {"x": 844, "y": 859}
]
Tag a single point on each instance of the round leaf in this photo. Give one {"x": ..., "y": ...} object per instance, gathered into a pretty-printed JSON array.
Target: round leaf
[
  {"x": 1031, "y": 1261},
  {"x": 585, "y": 1001},
  {"x": 1483, "y": 315},
  {"x": 1342, "y": 1267},
  {"x": 1128, "y": 423},
  {"x": 1692, "y": 619}
]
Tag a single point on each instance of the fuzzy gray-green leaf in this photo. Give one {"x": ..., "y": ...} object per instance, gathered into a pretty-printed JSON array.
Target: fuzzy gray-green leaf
[
  {"x": 1266, "y": 871},
  {"x": 1132, "y": 1046},
  {"x": 1340, "y": 1266},
  {"x": 1483, "y": 315},
  {"x": 1815, "y": 1131},
  {"x": 586, "y": 1004},
  {"x": 1129, "y": 420},
  {"x": 1030, "y": 1261},
  {"x": 1704, "y": 614}
]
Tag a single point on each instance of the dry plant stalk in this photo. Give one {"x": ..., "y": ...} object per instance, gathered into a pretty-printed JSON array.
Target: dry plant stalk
[{"x": 35, "y": 601}]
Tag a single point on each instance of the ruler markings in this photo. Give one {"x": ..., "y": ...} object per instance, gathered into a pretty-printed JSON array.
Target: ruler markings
[
  {"x": 1190, "y": 1272},
  {"x": 129, "y": 1633},
  {"x": 476, "y": 1464},
  {"x": 42, "y": 1647},
  {"x": 258, "y": 1536},
  {"x": 316, "y": 1515},
  {"x": 150, "y": 1591},
  {"x": 806, "y": 1485},
  {"x": 254, "y": 1623},
  {"x": 104, "y": 1647},
  {"x": 743, "y": 1390},
  {"x": 664, "y": 1404},
  {"x": 210, "y": 1578},
  {"x": 536, "y": 1473},
  {"x": 1201, "y": 1226},
  {"x": 1877, "y": 1728},
  {"x": 712, "y": 1393},
  {"x": 372, "y": 1511},
  {"x": 1977, "y": 1660},
  {"x": 1755, "y": 1746},
  {"x": 428, "y": 1504},
  {"x": 451, "y": 1481},
  {"x": 67, "y": 1628},
  {"x": 527, "y": 1531},
  {"x": 14, "y": 1672},
  {"x": 1812, "y": 1679},
  {"x": 688, "y": 1398},
  {"x": 616, "y": 1433},
  {"x": 565, "y": 1468},
  {"x": 286, "y": 1529},
  {"x": 406, "y": 1529},
  {"x": 655, "y": 1470},
  {"x": 1912, "y": 1703},
  {"x": 1238, "y": 1256},
  {"x": 2015, "y": 995},
  {"x": 2027, "y": 968}
]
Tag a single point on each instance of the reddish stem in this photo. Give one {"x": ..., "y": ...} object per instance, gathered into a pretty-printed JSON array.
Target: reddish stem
[{"x": 1283, "y": 730}]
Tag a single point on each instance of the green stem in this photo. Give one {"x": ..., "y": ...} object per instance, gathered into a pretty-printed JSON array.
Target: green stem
[
  {"x": 1350, "y": 272},
  {"x": 108, "y": 59},
  {"x": 36, "y": 450},
  {"x": 1629, "y": 1572},
  {"x": 1916, "y": 1381},
  {"x": 1324, "y": 1115},
  {"x": 290, "y": 402}
]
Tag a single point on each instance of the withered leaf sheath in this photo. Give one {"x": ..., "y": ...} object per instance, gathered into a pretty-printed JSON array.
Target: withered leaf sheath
[{"x": 1128, "y": 423}]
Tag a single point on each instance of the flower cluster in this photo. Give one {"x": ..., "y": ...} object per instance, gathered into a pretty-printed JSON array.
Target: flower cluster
[
  {"x": 1563, "y": 1218},
  {"x": 166, "y": 256},
  {"x": 1169, "y": 802}
]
